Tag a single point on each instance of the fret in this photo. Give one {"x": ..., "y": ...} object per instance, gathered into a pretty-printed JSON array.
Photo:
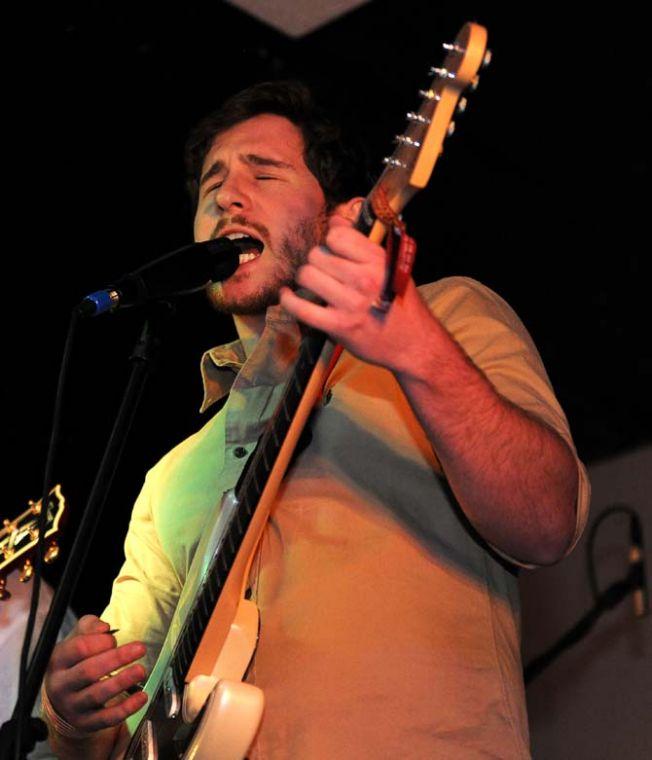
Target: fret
[
  {"x": 264, "y": 457},
  {"x": 254, "y": 476},
  {"x": 205, "y": 606},
  {"x": 194, "y": 631},
  {"x": 238, "y": 522},
  {"x": 187, "y": 652},
  {"x": 178, "y": 671},
  {"x": 201, "y": 616}
]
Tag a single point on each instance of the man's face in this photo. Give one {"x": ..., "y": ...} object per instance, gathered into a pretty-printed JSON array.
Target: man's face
[{"x": 254, "y": 182}]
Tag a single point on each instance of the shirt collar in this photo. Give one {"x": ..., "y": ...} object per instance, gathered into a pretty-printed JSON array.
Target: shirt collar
[{"x": 219, "y": 366}]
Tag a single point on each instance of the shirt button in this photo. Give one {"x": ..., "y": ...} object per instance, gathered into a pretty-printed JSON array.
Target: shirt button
[{"x": 240, "y": 452}]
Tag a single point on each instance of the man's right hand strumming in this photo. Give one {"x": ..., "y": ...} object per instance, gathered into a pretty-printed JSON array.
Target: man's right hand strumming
[{"x": 83, "y": 693}]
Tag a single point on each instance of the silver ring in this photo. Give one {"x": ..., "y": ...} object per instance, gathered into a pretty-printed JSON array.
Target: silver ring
[{"x": 380, "y": 304}]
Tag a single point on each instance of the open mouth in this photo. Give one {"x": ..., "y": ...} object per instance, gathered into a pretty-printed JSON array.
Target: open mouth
[{"x": 250, "y": 247}]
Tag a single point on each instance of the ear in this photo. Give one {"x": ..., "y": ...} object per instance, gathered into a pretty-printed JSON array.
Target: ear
[{"x": 349, "y": 209}]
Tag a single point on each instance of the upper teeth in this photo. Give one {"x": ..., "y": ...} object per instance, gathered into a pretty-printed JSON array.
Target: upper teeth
[{"x": 236, "y": 235}]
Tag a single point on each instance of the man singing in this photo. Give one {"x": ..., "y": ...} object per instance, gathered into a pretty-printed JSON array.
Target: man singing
[{"x": 438, "y": 462}]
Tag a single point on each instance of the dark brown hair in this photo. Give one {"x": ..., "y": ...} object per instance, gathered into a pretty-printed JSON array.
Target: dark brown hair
[{"x": 338, "y": 165}]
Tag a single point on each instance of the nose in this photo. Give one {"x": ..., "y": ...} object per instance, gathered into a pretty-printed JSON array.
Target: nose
[{"x": 232, "y": 193}]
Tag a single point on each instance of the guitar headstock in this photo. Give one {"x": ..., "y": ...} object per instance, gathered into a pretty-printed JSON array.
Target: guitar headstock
[
  {"x": 18, "y": 538},
  {"x": 409, "y": 168}
]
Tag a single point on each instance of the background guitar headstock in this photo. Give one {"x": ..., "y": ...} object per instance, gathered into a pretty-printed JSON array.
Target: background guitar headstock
[{"x": 18, "y": 538}]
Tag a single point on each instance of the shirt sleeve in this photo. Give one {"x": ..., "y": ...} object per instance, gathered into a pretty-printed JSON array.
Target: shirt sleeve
[
  {"x": 147, "y": 588},
  {"x": 495, "y": 339}
]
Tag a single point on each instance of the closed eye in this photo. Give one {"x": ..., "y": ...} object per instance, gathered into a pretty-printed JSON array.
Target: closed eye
[{"x": 211, "y": 188}]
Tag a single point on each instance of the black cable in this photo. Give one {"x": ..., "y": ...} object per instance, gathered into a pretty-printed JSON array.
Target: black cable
[
  {"x": 590, "y": 545},
  {"x": 42, "y": 526},
  {"x": 603, "y": 600}
]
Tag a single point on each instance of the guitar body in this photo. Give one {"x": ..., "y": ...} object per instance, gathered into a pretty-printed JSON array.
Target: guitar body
[
  {"x": 198, "y": 706},
  {"x": 217, "y": 715},
  {"x": 229, "y": 722}
]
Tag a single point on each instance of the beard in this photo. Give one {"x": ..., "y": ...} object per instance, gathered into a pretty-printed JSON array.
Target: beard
[{"x": 291, "y": 254}]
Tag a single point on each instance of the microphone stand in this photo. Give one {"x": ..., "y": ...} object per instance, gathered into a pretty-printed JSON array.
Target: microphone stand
[{"x": 143, "y": 355}]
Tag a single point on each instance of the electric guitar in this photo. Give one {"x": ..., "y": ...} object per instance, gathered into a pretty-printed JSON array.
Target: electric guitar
[{"x": 198, "y": 706}]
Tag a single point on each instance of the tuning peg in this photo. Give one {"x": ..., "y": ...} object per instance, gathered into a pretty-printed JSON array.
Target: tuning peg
[
  {"x": 461, "y": 106},
  {"x": 405, "y": 140},
  {"x": 52, "y": 552},
  {"x": 430, "y": 95},
  {"x": 451, "y": 47},
  {"x": 27, "y": 572},
  {"x": 474, "y": 84},
  {"x": 486, "y": 61},
  {"x": 441, "y": 72},
  {"x": 4, "y": 594},
  {"x": 394, "y": 162},
  {"x": 417, "y": 117},
  {"x": 451, "y": 128}
]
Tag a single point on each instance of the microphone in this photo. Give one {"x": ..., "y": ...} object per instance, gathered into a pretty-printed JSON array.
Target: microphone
[{"x": 178, "y": 273}]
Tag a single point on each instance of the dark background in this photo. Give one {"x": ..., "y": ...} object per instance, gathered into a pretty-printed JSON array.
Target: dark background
[{"x": 540, "y": 195}]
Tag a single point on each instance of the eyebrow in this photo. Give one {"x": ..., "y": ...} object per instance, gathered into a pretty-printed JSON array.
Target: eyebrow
[{"x": 249, "y": 158}]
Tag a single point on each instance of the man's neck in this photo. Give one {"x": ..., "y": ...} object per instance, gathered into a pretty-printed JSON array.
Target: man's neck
[{"x": 249, "y": 327}]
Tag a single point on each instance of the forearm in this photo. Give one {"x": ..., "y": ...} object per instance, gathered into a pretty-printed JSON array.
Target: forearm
[{"x": 514, "y": 477}]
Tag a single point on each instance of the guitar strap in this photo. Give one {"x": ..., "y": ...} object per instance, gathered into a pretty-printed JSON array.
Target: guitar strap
[{"x": 401, "y": 249}]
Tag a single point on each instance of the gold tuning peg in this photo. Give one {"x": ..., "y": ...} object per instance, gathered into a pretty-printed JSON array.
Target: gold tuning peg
[
  {"x": 52, "y": 552},
  {"x": 27, "y": 572},
  {"x": 4, "y": 594}
]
